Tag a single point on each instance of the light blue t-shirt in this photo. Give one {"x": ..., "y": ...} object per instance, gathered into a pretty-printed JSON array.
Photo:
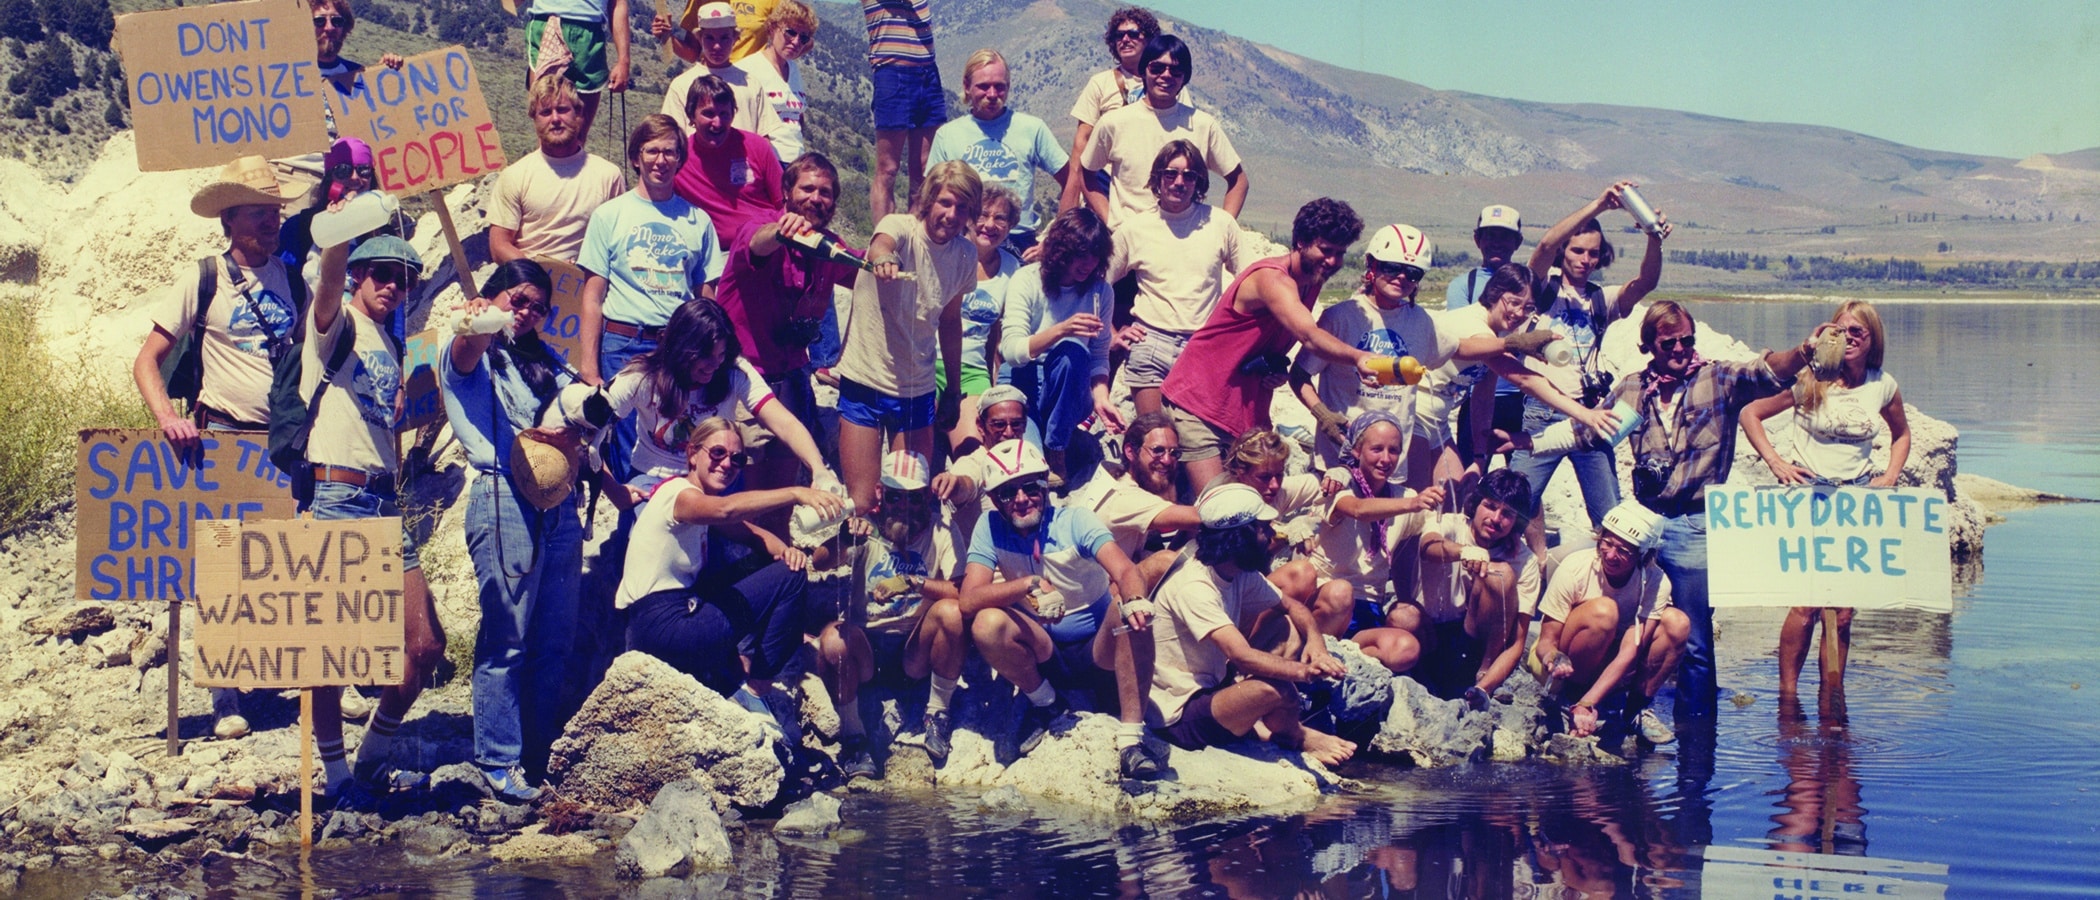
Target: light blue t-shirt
[
  {"x": 1061, "y": 550},
  {"x": 1005, "y": 151},
  {"x": 470, "y": 407},
  {"x": 570, "y": 10},
  {"x": 981, "y": 309},
  {"x": 656, "y": 255}
]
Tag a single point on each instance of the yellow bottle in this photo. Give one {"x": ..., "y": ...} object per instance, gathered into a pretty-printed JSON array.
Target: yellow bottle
[{"x": 1397, "y": 370}]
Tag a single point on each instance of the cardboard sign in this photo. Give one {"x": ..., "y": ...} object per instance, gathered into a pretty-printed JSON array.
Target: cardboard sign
[
  {"x": 288, "y": 603},
  {"x": 212, "y": 82},
  {"x": 426, "y": 122},
  {"x": 422, "y": 353},
  {"x": 137, "y": 505},
  {"x": 1747, "y": 872},
  {"x": 563, "y": 327},
  {"x": 1866, "y": 548}
]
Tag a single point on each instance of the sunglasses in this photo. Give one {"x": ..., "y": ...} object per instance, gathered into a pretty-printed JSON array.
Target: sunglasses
[
  {"x": 1858, "y": 334},
  {"x": 1129, "y": 34},
  {"x": 539, "y": 308},
  {"x": 894, "y": 497},
  {"x": 1169, "y": 176},
  {"x": 326, "y": 21},
  {"x": 794, "y": 34},
  {"x": 391, "y": 273},
  {"x": 1162, "y": 68},
  {"x": 1668, "y": 344},
  {"x": 343, "y": 171},
  {"x": 719, "y": 455},
  {"x": 1401, "y": 270},
  {"x": 1034, "y": 489},
  {"x": 1163, "y": 452}
]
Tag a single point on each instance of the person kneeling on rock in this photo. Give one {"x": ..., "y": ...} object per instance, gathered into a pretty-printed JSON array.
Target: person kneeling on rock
[
  {"x": 1229, "y": 649},
  {"x": 1608, "y": 626}
]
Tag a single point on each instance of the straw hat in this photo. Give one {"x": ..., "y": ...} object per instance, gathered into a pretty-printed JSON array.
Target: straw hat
[
  {"x": 246, "y": 181},
  {"x": 542, "y": 470}
]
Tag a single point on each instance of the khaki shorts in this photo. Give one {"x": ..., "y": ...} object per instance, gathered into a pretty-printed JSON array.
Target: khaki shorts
[{"x": 1199, "y": 439}]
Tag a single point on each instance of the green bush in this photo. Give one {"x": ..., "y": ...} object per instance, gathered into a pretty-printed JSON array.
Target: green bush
[{"x": 44, "y": 402}]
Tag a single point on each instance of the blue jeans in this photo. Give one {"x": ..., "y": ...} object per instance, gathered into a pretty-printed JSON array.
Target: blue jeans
[
  {"x": 335, "y": 500},
  {"x": 527, "y": 564},
  {"x": 1060, "y": 391},
  {"x": 1595, "y": 470},
  {"x": 705, "y": 629},
  {"x": 614, "y": 351},
  {"x": 1683, "y": 559}
]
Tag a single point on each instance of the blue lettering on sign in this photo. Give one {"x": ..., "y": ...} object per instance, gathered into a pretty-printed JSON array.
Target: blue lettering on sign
[
  {"x": 1903, "y": 503},
  {"x": 1822, "y": 546},
  {"x": 1933, "y": 506},
  {"x": 1889, "y": 552},
  {"x": 192, "y": 38},
  {"x": 1793, "y": 552}
]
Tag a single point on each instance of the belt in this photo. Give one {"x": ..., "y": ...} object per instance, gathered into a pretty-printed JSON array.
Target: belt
[
  {"x": 213, "y": 415},
  {"x": 1670, "y": 509},
  {"x": 379, "y": 484},
  {"x": 631, "y": 330}
]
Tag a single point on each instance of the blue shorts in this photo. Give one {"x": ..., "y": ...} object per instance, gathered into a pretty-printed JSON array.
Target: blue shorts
[
  {"x": 870, "y": 408},
  {"x": 908, "y": 97}
]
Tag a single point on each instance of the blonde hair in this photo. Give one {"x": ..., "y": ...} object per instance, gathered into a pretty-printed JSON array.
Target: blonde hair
[
  {"x": 707, "y": 428},
  {"x": 790, "y": 12},
  {"x": 1254, "y": 450},
  {"x": 979, "y": 60},
  {"x": 550, "y": 88},
  {"x": 953, "y": 175},
  {"x": 1808, "y": 389}
]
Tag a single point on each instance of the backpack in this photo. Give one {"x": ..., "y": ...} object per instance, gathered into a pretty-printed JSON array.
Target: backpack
[
  {"x": 292, "y": 418},
  {"x": 183, "y": 371}
]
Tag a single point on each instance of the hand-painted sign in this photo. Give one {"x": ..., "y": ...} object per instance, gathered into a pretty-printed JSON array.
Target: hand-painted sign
[
  {"x": 426, "y": 122},
  {"x": 299, "y": 603},
  {"x": 1866, "y": 548},
  {"x": 212, "y": 82},
  {"x": 138, "y": 502},
  {"x": 563, "y": 328}
]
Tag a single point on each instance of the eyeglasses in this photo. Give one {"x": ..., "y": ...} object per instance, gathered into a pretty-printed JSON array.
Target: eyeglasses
[
  {"x": 1402, "y": 270},
  {"x": 518, "y": 303},
  {"x": 1163, "y": 452},
  {"x": 1169, "y": 176},
  {"x": 327, "y": 21},
  {"x": 1005, "y": 425},
  {"x": 719, "y": 455},
  {"x": 391, "y": 273},
  {"x": 1165, "y": 68},
  {"x": 1129, "y": 34},
  {"x": 1667, "y": 344},
  {"x": 894, "y": 497},
  {"x": 1034, "y": 489},
  {"x": 794, "y": 34},
  {"x": 343, "y": 171}
]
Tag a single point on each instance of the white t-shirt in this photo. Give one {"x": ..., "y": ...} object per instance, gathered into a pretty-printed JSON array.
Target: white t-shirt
[
  {"x": 1031, "y": 310},
  {"x": 1580, "y": 578},
  {"x": 932, "y": 555},
  {"x": 1183, "y": 263},
  {"x": 982, "y": 308},
  {"x": 753, "y": 113},
  {"x": 1108, "y": 90},
  {"x": 898, "y": 357},
  {"x": 1348, "y": 548},
  {"x": 662, "y": 554},
  {"x": 354, "y": 426},
  {"x": 784, "y": 96},
  {"x": 238, "y": 331},
  {"x": 1837, "y": 440},
  {"x": 1448, "y": 385},
  {"x": 659, "y": 442},
  {"x": 1194, "y": 601},
  {"x": 1126, "y": 140},
  {"x": 1361, "y": 323},
  {"x": 1122, "y": 505},
  {"x": 549, "y": 201},
  {"x": 1443, "y": 585}
]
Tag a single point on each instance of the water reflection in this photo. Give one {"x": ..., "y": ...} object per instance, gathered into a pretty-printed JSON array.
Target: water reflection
[{"x": 1820, "y": 809}]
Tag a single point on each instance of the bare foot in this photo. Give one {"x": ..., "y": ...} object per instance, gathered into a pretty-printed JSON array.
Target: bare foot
[{"x": 1331, "y": 751}]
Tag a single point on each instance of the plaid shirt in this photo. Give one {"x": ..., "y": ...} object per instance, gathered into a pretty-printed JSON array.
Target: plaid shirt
[{"x": 1698, "y": 447}]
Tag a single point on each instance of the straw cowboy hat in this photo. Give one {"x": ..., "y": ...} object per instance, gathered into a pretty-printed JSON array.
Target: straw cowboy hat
[
  {"x": 246, "y": 181},
  {"x": 543, "y": 466}
]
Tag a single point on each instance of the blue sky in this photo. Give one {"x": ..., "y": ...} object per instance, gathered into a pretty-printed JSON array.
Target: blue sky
[{"x": 2003, "y": 79}]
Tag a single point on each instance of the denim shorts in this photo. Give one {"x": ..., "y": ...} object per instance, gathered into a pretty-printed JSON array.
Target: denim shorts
[
  {"x": 870, "y": 408},
  {"x": 336, "y": 500},
  {"x": 1152, "y": 358},
  {"x": 908, "y": 97}
]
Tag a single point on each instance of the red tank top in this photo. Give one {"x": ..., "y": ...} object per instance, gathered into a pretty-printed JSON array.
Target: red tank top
[{"x": 1206, "y": 380}]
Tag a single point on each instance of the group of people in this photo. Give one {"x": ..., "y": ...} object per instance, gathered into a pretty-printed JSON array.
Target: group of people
[{"x": 1053, "y": 444}]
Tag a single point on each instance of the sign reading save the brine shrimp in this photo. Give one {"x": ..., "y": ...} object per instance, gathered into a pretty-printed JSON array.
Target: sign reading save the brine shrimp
[
  {"x": 1866, "y": 548},
  {"x": 426, "y": 122},
  {"x": 299, "y": 603},
  {"x": 212, "y": 82},
  {"x": 137, "y": 502}
]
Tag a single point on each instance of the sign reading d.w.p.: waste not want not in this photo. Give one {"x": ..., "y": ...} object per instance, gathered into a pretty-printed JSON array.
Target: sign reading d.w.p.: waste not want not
[
  {"x": 299, "y": 603},
  {"x": 1865, "y": 548}
]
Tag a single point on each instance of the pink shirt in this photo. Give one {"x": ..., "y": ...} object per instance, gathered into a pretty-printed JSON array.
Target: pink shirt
[
  {"x": 761, "y": 292},
  {"x": 1235, "y": 403},
  {"x": 735, "y": 183}
]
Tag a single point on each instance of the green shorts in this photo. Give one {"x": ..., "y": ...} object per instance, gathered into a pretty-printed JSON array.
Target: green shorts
[
  {"x": 592, "y": 67},
  {"x": 976, "y": 379}
]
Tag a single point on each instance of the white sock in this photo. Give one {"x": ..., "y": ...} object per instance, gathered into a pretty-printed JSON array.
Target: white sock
[
  {"x": 1129, "y": 734},
  {"x": 943, "y": 691},
  {"x": 379, "y": 738},
  {"x": 1043, "y": 695},
  {"x": 335, "y": 773}
]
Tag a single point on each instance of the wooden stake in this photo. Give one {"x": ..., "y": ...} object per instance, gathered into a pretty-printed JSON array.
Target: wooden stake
[
  {"x": 306, "y": 769},
  {"x": 174, "y": 677},
  {"x": 459, "y": 252},
  {"x": 1830, "y": 647}
]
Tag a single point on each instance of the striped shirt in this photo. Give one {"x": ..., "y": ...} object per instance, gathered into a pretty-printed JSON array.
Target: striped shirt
[{"x": 900, "y": 32}]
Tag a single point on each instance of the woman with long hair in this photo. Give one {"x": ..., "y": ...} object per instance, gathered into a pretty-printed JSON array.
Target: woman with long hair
[
  {"x": 1055, "y": 333},
  {"x": 1832, "y": 442}
]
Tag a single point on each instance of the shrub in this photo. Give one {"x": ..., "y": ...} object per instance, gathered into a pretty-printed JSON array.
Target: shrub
[
  {"x": 113, "y": 114},
  {"x": 37, "y": 436}
]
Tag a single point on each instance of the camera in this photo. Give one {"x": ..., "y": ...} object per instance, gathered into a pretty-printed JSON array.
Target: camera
[
  {"x": 1650, "y": 476},
  {"x": 1263, "y": 365},
  {"x": 1596, "y": 385},
  {"x": 797, "y": 332}
]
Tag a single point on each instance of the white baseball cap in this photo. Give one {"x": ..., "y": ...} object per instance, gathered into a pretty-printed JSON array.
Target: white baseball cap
[
  {"x": 904, "y": 470},
  {"x": 1232, "y": 505},
  {"x": 716, "y": 15},
  {"x": 1499, "y": 216},
  {"x": 997, "y": 394}
]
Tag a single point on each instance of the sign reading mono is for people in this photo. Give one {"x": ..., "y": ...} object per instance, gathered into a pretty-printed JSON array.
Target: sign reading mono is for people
[
  {"x": 137, "y": 501},
  {"x": 299, "y": 603},
  {"x": 1866, "y": 548},
  {"x": 212, "y": 82},
  {"x": 426, "y": 122}
]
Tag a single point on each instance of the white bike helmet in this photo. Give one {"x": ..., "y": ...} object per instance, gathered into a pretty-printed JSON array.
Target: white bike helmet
[
  {"x": 1636, "y": 524},
  {"x": 1403, "y": 244}
]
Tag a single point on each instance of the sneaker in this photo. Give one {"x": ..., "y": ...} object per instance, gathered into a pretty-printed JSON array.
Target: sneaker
[
  {"x": 1476, "y": 699},
  {"x": 938, "y": 726},
  {"x": 508, "y": 785},
  {"x": 1139, "y": 762},
  {"x": 231, "y": 727},
  {"x": 857, "y": 763},
  {"x": 1036, "y": 722},
  {"x": 1652, "y": 729},
  {"x": 355, "y": 706}
]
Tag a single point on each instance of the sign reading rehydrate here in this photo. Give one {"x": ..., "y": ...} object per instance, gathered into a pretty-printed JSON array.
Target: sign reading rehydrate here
[
  {"x": 427, "y": 123},
  {"x": 1865, "y": 548},
  {"x": 212, "y": 82},
  {"x": 299, "y": 603},
  {"x": 137, "y": 503}
]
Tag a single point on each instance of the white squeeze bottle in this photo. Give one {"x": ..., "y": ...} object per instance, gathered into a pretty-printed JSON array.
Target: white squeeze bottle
[{"x": 362, "y": 215}]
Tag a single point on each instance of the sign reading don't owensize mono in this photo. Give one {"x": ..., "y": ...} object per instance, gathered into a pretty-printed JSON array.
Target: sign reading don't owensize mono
[
  {"x": 212, "y": 82},
  {"x": 1866, "y": 548},
  {"x": 286, "y": 603}
]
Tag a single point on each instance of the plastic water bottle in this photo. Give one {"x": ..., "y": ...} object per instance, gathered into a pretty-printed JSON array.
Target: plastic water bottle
[
  {"x": 1397, "y": 369},
  {"x": 809, "y": 521},
  {"x": 362, "y": 215}
]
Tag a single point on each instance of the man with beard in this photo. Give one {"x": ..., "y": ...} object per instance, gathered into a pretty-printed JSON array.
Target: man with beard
[
  {"x": 1002, "y": 415},
  {"x": 1050, "y": 615},
  {"x": 778, "y": 289},
  {"x": 1220, "y": 618},
  {"x": 731, "y": 173},
  {"x": 645, "y": 253},
  {"x": 542, "y": 202},
  {"x": 1004, "y": 146},
  {"x": 1608, "y": 630},
  {"x": 1478, "y": 586},
  {"x": 333, "y": 22}
]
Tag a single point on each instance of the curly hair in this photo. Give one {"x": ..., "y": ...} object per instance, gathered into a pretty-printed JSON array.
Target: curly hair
[
  {"x": 1134, "y": 15},
  {"x": 1218, "y": 546},
  {"x": 695, "y": 329},
  {"x": 1254, "y": 450},
  {"x": 1326, "y": 219},
  {"x": 1508, "y": 487},
  {"x": 1074, "y": 233}
]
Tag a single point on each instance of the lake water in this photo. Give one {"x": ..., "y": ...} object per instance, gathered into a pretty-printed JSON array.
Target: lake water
[{"x": 1963, "y": 762}]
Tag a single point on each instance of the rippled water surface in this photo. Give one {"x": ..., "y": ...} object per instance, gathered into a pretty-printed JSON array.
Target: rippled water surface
[{"x": 1962, "y": 761}]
